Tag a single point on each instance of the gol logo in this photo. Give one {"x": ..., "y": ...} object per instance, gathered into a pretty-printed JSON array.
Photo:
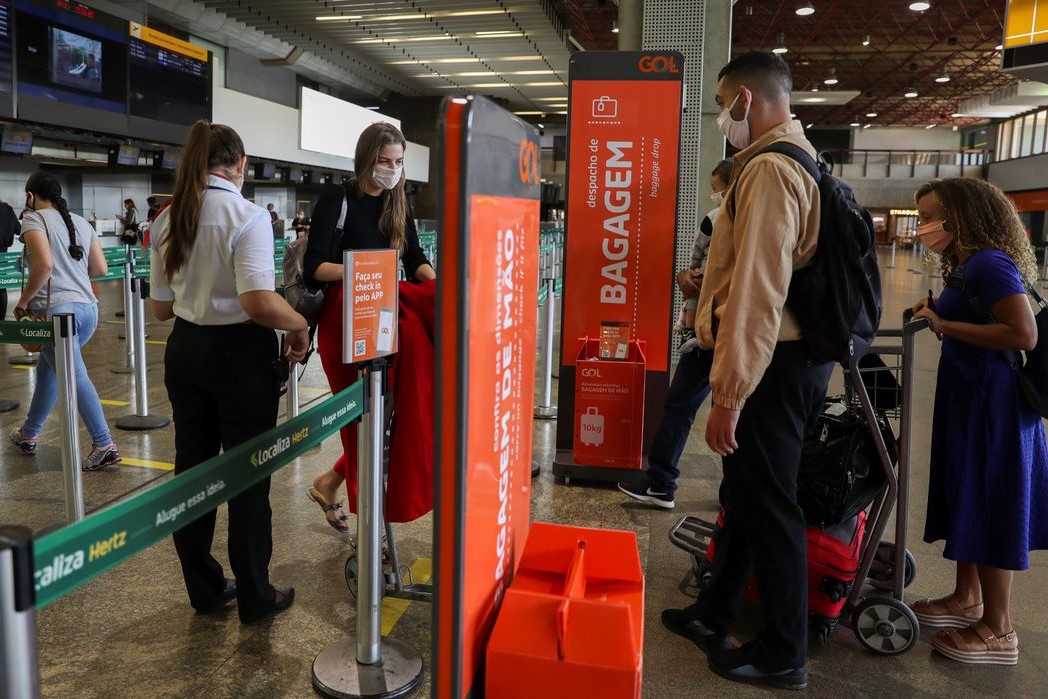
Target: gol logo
[
  {"x": 591, "y": 373},
  {"x": 658, "y": 64},
  {"x": 529, "y": 162}
]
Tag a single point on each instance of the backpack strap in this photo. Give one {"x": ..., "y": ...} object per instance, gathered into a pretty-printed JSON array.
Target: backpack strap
[
  {"x": 791, "y": 151},
  {"x": 957, "y": 280}
]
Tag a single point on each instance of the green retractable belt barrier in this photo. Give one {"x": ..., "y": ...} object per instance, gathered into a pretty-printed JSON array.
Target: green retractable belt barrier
[
  {"x": 69, "y": 557},
  {"x": 14, "y": 332}
]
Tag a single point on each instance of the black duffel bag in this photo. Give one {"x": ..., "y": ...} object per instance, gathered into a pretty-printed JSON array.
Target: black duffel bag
[{"x": 841, "y": 472}]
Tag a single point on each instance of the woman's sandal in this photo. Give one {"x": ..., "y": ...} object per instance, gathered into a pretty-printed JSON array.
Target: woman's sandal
[
  {"x": 978, "y": 645},
  {"x": 946, "y": 613},
  {"x": 339, "y": 522}
]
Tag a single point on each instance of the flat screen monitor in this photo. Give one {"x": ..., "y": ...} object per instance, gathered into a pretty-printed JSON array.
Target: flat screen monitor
[
  {"x": 172, "y": 157},
  {"x": 170, "y": 79},
  {"x": 7, "y": 77},
  {"x": 17, "y": 141},
  {"x": 127, "y": 155},
  {"x": 72, "y": 65},
  {"x": 295, "y": 175}
]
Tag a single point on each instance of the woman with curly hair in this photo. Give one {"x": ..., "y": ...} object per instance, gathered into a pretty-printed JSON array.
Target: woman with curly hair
[{"x": 988, "y": 482}]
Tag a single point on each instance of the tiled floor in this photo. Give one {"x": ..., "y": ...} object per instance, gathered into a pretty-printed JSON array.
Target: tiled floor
[{"x": 131, "y": 632}]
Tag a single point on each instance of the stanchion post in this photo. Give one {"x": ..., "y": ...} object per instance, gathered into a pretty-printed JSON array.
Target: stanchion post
[
  {"x": 65, "y": 370},
  {"x": 891, "y": 265},
  {"x": 369, "y": 515},
  {"x": 292, "y": 392},
  {"x": 19, "y": 670},
  {"x": 141, "y": 419},
  {"x": 546, "y": 411},
  {"x": 129, "y": 315},
  {"x": 368, "y": 665}
]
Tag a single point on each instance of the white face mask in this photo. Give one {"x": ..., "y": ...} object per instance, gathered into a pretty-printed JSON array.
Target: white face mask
[
  {"x": 716, "y": 197},
  {"x": 737, "y": 132},
  {"x": 387, "y": 177}
]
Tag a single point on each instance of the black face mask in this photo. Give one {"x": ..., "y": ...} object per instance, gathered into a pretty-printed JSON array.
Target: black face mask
[{"x": 29, "y": 206}]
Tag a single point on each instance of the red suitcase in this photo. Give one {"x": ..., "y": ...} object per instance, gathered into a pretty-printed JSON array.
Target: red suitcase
[{"x": 833, "y": 563}]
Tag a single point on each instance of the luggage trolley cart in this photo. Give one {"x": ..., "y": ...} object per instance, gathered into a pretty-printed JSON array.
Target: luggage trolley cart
[{"x": 880, "y": 390}]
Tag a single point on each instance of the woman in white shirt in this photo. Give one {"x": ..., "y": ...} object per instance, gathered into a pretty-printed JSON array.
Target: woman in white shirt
[{"x": 212, "y": 270}]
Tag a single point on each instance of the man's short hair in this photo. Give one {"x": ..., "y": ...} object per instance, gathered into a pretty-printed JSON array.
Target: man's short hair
[{"x": 760, "y": 71}]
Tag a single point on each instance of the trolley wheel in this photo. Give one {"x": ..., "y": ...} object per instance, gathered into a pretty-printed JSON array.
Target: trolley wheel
[
  {"x": 882, "y": 572},
  {"x": 885, "y": 625},
  {"x": 351, "y": 575},
  {"x": 703, "y": 571}
]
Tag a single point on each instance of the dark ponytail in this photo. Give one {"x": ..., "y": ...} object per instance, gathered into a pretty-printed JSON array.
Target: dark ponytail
[
  {"x": 43, "y": 185},
  {"x": 209, "y": 147}
]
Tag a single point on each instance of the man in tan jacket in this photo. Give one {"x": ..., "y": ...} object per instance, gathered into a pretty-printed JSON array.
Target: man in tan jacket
[{"x": 766, "y": 387}]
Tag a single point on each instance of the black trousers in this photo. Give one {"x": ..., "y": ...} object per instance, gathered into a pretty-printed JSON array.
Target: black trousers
[
  {"x": 220, "y": 382},
  {"x": 764, "y": 529}
]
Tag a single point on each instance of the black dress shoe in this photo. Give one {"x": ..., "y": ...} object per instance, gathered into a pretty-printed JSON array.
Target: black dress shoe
[
  {"x": 229, "y": 594},
  {"x": 746, "y": 665},
  {"x": 684, "y": 622},
  {"x": 282, "y": 599}
]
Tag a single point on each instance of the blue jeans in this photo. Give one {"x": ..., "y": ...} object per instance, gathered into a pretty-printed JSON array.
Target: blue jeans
[
  {"x": 46, "y": 391},
  {"x": 688, "y": 390}
]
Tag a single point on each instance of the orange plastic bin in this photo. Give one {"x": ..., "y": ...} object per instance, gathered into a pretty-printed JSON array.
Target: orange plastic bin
[{"x": 572, "y": 622}]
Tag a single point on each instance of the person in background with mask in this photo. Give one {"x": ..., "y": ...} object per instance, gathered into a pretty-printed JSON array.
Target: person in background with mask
[
  {"x": 300, "y": 224},
  {"x": 988, "y": 481},
  {"x": 691, "y": 379},
  {"x": 212, "y": 271},
  {"x": 63, "y": 254},
  {"x": 9, "y": 229},
  {"x": 377, "y": 217},
  {"x": 766, "y": 387}
]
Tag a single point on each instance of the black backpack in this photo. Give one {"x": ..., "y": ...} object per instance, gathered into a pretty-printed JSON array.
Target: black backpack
[{"x": 837, "y": 298}]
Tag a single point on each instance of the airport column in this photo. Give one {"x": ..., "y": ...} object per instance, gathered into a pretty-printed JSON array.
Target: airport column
[
  {"x": 631, "y": 24},
  {"x": 701, "y": 30}
]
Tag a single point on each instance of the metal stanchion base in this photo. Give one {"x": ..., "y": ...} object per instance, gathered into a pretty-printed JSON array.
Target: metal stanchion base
[
  {"x": 546, "y": 413},
  {"x": 124, "y": 337},
  {"x": 26, "y": 359},
  {"x": 123, "y": 370},
  {"x": 336, "y": 672},
  {"x": 536, "y": 469},
  {"x": 7, "y": 406},
  {"x": 137, "y": 423}
]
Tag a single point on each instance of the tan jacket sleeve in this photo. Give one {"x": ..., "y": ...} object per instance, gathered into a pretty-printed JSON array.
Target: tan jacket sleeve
[{"x": 767, "y": 228}]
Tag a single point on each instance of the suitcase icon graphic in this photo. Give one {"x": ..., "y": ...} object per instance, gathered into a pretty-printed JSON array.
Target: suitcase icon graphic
[
  {"x": 591, "y": 426},
  {"x": 605, "y": 107}
]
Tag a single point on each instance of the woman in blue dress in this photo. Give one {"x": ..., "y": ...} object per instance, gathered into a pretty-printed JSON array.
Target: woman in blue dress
[{"x": 988, "y": 482}]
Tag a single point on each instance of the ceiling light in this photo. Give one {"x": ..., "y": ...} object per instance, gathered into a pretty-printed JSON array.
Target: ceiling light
[
  {"x": 792, "y": 115},
  {"x": 955, "y": 115},
  {"x": 815, "y": 88},
  {"x": 866, "y": 126},
  {"x": 466, "y": 13},
  {"x": 866, "y": 40},
  {"x": 805, "y": 9},
  {"x": 396, "y": 18},
  {"x": 402, "y": 39},
  {"x": 337, "y": 18},
  {"x": 871, "y": 115},
  {"x": 920, "y": 5},
  {"x": 460, "y": 100},
  {"x": 813, "y": 100},
  {"x": 910, "y": 93},
  {"x": 541, "y": 126},
  {"x": 780, "y": 44},
  {"x": 998, "y": 47},
  {"x": 831, "y": 79},
  {"x": 529, "y": 113},
  {"x": 944, "y": 78},
  {"x": 373, "y": 108},
  {"x": 498, "y": 32},
  {"x": 809, "y": 126},
  {"x": 955, "y": 128},
  {"x": 615, "y": 27},
  {"x": 855, "y": 123},
  {"x": 930, "y": 126}
]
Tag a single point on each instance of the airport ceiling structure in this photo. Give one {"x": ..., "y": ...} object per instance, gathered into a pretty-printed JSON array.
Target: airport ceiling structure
[{"x": 913, "y": 67}]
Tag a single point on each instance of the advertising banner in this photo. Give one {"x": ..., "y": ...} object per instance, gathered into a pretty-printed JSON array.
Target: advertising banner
[
  {"x": 622, "y": 183},
  {"x": 370, "y": 311},
  {"x": 486, "y": 377}
]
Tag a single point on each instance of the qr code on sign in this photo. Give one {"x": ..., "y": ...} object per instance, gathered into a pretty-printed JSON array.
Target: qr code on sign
[{"x": 359, "y": 347}]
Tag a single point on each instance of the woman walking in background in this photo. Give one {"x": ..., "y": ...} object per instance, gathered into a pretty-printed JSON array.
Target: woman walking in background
[
  {"x": 63, "y": 254},
  {"x": 988, "y": 483}
]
